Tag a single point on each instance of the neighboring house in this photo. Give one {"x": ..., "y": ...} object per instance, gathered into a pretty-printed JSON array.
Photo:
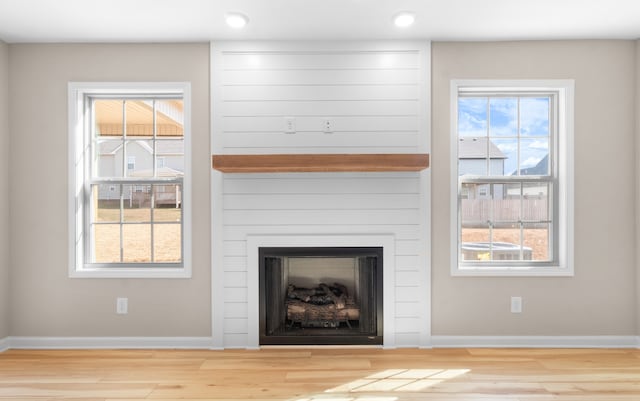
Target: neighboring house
[
  {"x": 139, "y": 163},
  {"x": 541, "y": 168},
  {"x": 473, "y": 153}
]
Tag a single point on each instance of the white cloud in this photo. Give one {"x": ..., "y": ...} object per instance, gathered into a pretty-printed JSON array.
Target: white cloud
[
  {"x": 470, "y": 125},
  {"x": 531, "y": 161},
  {"x": 507, "y": 147},
  {"x": 534, "y": 116},
  {"x": 538, "y": 145}
]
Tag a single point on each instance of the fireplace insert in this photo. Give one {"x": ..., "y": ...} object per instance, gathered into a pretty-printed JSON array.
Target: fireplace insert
[{"x": 320, "y": 296}]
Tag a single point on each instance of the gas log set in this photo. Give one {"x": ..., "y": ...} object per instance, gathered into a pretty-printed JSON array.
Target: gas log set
[{"x": 321, "y": 307}]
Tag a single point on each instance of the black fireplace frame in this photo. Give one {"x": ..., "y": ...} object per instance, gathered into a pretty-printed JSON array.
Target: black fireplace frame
[{"x": 325, "y": 338}]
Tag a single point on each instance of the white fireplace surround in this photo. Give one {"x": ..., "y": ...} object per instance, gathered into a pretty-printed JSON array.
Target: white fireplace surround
[
  {"x": 377, "y": 96},
  {"x": 387, "y": 242}
]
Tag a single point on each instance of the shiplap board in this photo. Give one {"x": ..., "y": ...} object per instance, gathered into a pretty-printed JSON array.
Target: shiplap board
[
  {"x": 327, "y": 59},
  {"x": 335, "y": 76},
  {"x": 237, "y": 309},
  {"x": 313, "y": 184},
  {"x": 401, "y": 232},
  {"x": 327, "y": 150},
  {"x": 376, "y": 96},
  {"x": 408, "y": 309},
  {"x": 319, "y": 201},
  {"x": 295, "y": 217},
  {"x": 383, "y": 141},
  {"x": 235, "y": 325},
  {"x": 343, "y": 108},
  {"x": 407, "y": 247},
  {"x": 407, "y": 278},
  {"x": 235, "y": 248},
  {"x": 316, "y": 93},
  {"x": 276, "y": 124}
]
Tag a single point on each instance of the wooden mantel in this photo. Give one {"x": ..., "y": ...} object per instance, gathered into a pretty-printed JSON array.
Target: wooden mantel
[{"x": 301, "y": 163}]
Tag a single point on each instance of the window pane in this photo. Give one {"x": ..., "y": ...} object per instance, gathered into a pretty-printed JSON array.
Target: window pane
[
  {"x": 504, "y": 160},
  {"x": 106, "y": 158},
  {"x": 168, "y": 199},
  {"x": 106, "y": 243},
  {"x": 475, "y": 242},
  {"x": 534, "y": 116},
  {"x": 139, "y": 158},
  {"x": 108, "y": 117},
  {"x": 472, "y": 116},
  {"x": 504, "y": 116},
  {"x": 536, "y": 241},
  {"x": 506, "y": 202},
  {"x": 167, "y": 242},
  {"x": 169, "y": 117},
  {"x": 506, "y": 242},
  {"x": 139, "y": 117},
  {"x": 137, "y": 202},
  {"x": 136, "y": 242},
  {"x": 472, "y": 156},
  {"x": 106, "y": 198},
  {"x": 534, "y": 156},
  {"x": 535, "y": 202},
  {"x": 172, "y": 151},
  {"x": 475, "y": 208}
]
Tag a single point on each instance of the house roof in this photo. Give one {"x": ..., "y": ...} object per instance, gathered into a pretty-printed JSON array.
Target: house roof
[
  {"x": 476, "y": 148},
  {"x": 160, "y": 172},
  {"x": 140, "y": 120},
  {"x": 542, "y": 168},
  {"x": 163, "y": 148}
]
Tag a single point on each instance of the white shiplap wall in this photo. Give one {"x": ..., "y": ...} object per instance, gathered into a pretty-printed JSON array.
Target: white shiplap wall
[{"x": 376, "y": 95}]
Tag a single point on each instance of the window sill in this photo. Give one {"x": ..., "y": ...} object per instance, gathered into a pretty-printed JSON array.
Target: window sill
[
  {"x": 130, "y": 273},
  {"x": 551, "y": 271}
]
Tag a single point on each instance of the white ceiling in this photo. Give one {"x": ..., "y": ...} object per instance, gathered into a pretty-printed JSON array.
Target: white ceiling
[{"x": 203, "y": 20}]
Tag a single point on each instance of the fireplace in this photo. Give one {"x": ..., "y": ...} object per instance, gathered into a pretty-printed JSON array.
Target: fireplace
[{"x": 320, "y": 295}]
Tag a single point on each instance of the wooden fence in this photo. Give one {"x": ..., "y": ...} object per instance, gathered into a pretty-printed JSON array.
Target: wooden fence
[{"x": 479, "y": 211}]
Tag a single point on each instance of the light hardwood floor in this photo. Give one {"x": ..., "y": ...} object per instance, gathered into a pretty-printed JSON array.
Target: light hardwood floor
[{"x": 303, "y": 374}]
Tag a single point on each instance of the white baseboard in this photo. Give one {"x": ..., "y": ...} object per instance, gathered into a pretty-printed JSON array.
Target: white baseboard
[
  {"x": 108, "y": 342},
  {"x": 4, "y": 344},
  {"x": 535, "y": 342},
  {"x": 207, "y": 343}
]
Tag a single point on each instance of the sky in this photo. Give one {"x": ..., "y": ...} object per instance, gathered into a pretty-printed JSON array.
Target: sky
[{"x": 510, "y": 123}]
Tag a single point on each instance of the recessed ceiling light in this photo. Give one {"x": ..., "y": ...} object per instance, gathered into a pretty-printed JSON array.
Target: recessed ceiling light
[
  {"x": 404, "y": 19},
  {"x": 236, "y": 20}
]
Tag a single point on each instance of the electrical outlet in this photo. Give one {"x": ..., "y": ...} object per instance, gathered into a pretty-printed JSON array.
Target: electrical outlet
[
  {"x": 122, "y": 306},
  {"x": 516, "y": 304},
  {"x": 289, "y": 125},
  {"x": 327, "y": 126}
]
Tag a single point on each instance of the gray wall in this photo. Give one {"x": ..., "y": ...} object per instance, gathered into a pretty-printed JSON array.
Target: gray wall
[
  {"x": 45, "y": 301},
  {"x": 600, "y": 299},
  {"x": 4, "y": 193},
  {"x": 638, "y": 189}
]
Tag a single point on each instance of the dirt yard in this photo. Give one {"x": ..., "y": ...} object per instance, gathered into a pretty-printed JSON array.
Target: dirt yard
[
  {"x": 137, "y": 237},
  {"x": 536, "y": 239}
]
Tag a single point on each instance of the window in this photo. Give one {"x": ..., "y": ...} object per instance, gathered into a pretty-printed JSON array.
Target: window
[
  {"x": 131, "y": 163},
  {"x": 512, "y": 177},
  {"x": 129, "y": 214}
]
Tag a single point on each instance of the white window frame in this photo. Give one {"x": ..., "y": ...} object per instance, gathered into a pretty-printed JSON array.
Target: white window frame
[
  {"x": 79, "y": 156},
  {"x": 563, "y": 265}
]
